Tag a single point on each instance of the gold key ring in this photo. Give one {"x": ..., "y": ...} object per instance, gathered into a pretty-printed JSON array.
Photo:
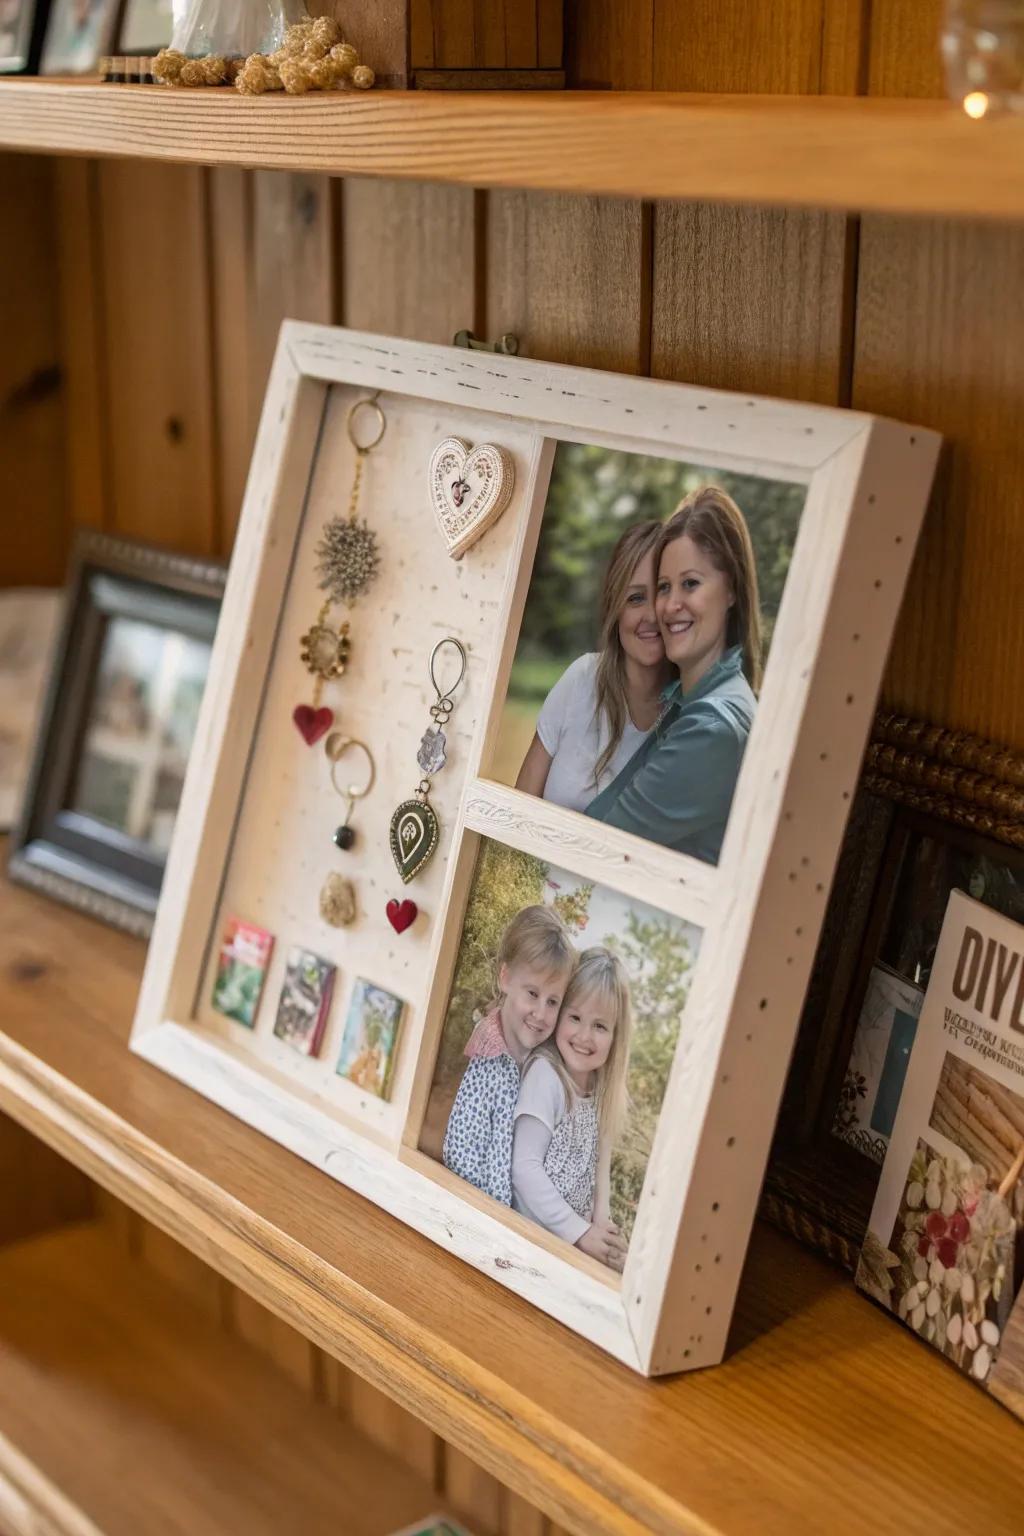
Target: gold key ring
[
  {"x": 335, "y": 747},
  {"x": 369, "y": 404}
]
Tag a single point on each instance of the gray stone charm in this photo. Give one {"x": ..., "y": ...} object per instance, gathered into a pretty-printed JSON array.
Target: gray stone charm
[
  {"x": 431, "y": 755},
  {"x": 337, "y": 902}
]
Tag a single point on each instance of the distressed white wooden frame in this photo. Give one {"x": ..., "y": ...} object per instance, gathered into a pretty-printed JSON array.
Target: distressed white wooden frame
[{"x": 759, "y": 910}]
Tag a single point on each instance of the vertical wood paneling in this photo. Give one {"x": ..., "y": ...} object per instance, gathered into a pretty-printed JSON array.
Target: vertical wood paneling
[
  {"x": 83, "y": 344},
  {"x": 237, "y": 386},
  {"x": 158, "y": 340},
  {"x": 610, "y": 44},
  {"x": 472, "y": 1493},
  {"x": 408, "y": 258},
  {"x": 904, "y": 56},
  {"x": 733, "y": 45},
  {"x": 290, "y": 1352},
  {"x": 569, "y": 275},
  {"x": 32, "y": 493},
  {"x": 940, "y": 341},
  {"x": 292, "y": 260},
  {"x": 182, "y": 1269},
  {"x": 550, "y": 34},
  {"x": 750, "y": 299},
  {"x": 38, "y": 1190},
  {"x": 390, "y": 1426}
]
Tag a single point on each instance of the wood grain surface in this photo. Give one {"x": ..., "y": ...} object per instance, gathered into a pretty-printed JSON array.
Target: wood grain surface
[
  {"x": 155, "y": 296},
  {"x": 819, "y": 1385},
  {"x": 407, "y": 258},
  {"x": 938, "y": 341},
  {"x": 32, "y": 492},
  {"x": 120, "y": 1394},
  {"x": 837, "y": 152}
]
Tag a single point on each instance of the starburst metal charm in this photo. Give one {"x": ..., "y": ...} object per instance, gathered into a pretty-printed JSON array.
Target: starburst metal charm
[{"x": 348, "y": 558}]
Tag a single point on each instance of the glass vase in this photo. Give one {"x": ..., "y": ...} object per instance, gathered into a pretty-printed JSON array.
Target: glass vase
[
  {"x": 234, "y": 29},
  {"x": 983, "y": 52}
]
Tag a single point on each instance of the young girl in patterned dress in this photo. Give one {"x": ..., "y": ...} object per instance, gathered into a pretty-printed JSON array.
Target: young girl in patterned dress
[
  {"x": 571, "y": 1109},
  {"x": 535, "y": 960}
]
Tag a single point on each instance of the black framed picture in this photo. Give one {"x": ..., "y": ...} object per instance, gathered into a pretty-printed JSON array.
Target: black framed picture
[
  {"x": 117, "y": 727},
  {"x": 937, "y": 811},
  {"x": 78, "y": 34},
  {"x": 145, "y": 26},
  {"x": 22, "y": 24}
]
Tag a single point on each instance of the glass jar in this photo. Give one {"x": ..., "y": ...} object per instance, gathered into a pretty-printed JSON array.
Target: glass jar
[
  {"x": 983, "y": 51},
  {"x": 233, "y": 28}
]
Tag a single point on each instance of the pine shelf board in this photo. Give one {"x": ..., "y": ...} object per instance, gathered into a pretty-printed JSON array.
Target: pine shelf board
[
  {"x": 826, "y": 1416},
  {"x": 877, "y": 154},
  {"x": 124, "y": 1411}
]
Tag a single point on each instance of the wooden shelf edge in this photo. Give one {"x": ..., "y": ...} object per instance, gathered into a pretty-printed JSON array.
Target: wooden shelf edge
[
  {"x": 868, "y": 154},
  {"x": 477, "y": 1413}
]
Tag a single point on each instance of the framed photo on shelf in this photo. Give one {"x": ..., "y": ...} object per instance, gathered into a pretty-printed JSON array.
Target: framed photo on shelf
[
  {"x": 938, "y": 811},
  {"x": 145, "y": 26},
  {"x": 572, "y": 920},
  {"x": 116, "y": 728},
  {"x": 78, "y": 34},
  {"x": 22, "y": 23}
]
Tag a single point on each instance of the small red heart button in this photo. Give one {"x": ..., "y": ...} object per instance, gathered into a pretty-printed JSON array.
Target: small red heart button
[
  {"x": 401, "y": 914},
  {"x": 312, "y": 723}
]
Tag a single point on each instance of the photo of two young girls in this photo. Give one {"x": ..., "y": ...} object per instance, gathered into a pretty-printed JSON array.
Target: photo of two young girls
[{"x": 633, "y": 691}]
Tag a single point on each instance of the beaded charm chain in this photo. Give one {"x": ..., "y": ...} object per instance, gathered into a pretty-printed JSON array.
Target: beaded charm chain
[{"x": 347, "y": 562}]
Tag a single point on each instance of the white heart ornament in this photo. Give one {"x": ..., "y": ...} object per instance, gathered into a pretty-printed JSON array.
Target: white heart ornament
[{"x": 469, "y": 490}]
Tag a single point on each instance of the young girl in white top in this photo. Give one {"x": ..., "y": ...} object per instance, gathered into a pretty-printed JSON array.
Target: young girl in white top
[
  {"x": 605, "y": 704},
  {"x": 571, "y": 1109}
]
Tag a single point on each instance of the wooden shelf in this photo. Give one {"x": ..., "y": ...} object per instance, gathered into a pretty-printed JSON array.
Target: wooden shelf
[
  {"x": 825, "y": 151},
  {"x": 826, "y": 1416},
  {"x": 125, "y": 1412}
]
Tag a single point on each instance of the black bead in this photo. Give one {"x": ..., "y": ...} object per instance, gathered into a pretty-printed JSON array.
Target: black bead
[{"x": 344, "y": 837}]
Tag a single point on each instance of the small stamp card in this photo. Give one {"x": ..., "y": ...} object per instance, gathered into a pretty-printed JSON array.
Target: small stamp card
[
  {"x": 305, "y": 1001},
  {"x": 241, "y": 971},
  {"x": 371, "y": 1034}
]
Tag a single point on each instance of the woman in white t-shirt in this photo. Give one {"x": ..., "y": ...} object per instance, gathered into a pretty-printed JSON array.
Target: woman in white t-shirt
[{"x": 605, "y": 703}]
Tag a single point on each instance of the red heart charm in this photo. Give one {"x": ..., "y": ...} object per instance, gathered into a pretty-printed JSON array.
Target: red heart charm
[
  {"x": 312, "y": 723},
  {"x": 401, "y": 914}
]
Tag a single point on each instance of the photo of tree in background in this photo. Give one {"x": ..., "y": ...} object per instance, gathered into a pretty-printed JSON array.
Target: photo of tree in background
[
  {"x": 595, "y": 494},
  {"x": 658, "y": 952}
]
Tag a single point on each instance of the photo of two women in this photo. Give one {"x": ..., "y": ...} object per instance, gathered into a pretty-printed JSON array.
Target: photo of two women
[{"x": 644, "y": 639}]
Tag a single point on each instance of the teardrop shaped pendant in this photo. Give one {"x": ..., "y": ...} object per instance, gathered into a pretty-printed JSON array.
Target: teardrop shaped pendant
[{"x": 415, "y": 831}]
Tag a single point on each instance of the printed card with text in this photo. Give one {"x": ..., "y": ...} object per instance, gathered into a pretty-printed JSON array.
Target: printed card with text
[
  {"x": 944, "y": 1249},
  {"x": 241, "y": 971}
]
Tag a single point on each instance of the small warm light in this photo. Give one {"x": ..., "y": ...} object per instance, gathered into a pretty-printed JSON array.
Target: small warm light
[{"x": 976, "y": 104}]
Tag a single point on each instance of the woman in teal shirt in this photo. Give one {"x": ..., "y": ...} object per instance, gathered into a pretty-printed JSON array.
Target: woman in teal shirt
[{"x": 677, "y": 788}]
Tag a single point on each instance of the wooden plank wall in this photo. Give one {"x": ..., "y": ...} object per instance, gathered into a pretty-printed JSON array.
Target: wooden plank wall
[{"x": 171, "y": 282}]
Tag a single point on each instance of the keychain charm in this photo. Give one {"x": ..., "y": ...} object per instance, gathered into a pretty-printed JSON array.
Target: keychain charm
[
  {"x": 415, "y": 829},
  {"x": 348, "y": 559},
  {"x": 335, "y": 747}
]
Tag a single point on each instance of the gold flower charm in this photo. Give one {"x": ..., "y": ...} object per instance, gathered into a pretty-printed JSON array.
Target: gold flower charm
[{"x": 325, "y": 651}]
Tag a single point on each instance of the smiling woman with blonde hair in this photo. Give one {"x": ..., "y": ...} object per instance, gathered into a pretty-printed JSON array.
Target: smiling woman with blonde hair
[
  {"x": 604, "y": 704},
  {"x": 678, "y": 786}
]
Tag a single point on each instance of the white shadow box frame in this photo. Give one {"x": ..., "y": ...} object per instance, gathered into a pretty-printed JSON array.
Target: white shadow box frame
[{"x": 257, "y": 806}]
